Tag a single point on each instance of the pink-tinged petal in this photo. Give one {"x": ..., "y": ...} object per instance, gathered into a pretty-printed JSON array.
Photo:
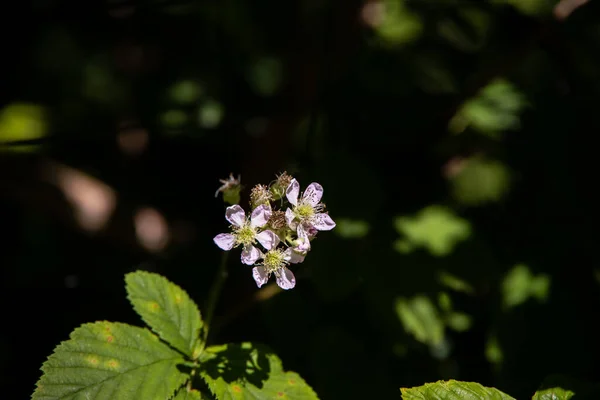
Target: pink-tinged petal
[
  {"x": 287, "y": 254},
  {"x": 289, "y": 216},
  {"x": 235, "y": 215},
  {"x": 260, "y": 275},
  {"x": 225, "y": 241},
  {"x": 297, "y": 258},
  {"x": 286, "y": 279},
  {"x": 292, "y": 192},
  {"x": 260, "y": 216},
  {"x": 323, "y": 222},
  {"x": 303, "y": 241},
  {"x": 313, "y": 193},
  {"x": 268, "y": 239},
  {"x": 250, "y": 254}
]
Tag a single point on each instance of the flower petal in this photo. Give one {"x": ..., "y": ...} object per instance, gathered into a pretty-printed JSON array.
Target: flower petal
[
  {"x": 323, "y": 222},
  {"x": 292, "y": 192},
  {"x": 250, "y": 254},
  {"x": 297, "y": 257},
  {"x": 235, "y": 215},
  {"x": 313, "y": 193},
  {"x": 287, "y": 254},
  {"x": 289, "y": 216},
  {"x": 286, "y": 279},
  {"x": 260, "y": 216},
  {"x": 260, "y": 275},
  {"x": 268, "y": 239},
  {"x": 225, "y": 241},
  {"x": 303, "y": 241}
]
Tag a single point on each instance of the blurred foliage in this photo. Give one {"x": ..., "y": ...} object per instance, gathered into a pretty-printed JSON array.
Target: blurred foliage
[{"x": 452, "y": 139}]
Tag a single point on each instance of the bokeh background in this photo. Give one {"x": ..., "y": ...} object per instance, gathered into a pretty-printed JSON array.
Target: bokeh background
[{"x": 454, "y": 141}]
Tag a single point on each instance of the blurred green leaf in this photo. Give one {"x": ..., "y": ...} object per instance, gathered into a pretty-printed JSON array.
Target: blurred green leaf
[
  {"x": 520, "y": 284},
  {"x": 493, "y": 351},
  {"x": 480, "y": 181},
  {"x": 174, "y": 118},
  {"x": 351, "y": 228},
  {"x": 210, "y": 114},
  {"x": 266, "y": 76},
  {"x": 435, "y": 228},
  {"x": 453, "y": 390},
  {"x": 530, "y": 7},
  {"x": 20, "y": 122},
  {"x": 421, "y": 319},
  {"x": 396, "y": 25},
  {"x": 455, "y": 283},
  {"x": 466, "y": 29},
  {"x": 495, "y": 109},
  {"x": 458, "y": 321},
  {"x": 185, "y": 92}
]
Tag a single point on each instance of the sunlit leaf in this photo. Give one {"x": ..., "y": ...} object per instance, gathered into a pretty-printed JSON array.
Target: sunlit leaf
[
  {"x": 435, "y": 228},
  {"x": 455, "y": 283},
  {"x": 166, "y": 308},
  {"x": 480, "y": 181},
  {"x": 555, "y": 393},
  {"x": 520, "y": 284},
  {"x": 184, "y": 394},
  {"x": 420, "y": 318},
  {"x": 248, "y": 371},
  {"x": 112, "y": 361},
  {"x": 453, "y": 390}
]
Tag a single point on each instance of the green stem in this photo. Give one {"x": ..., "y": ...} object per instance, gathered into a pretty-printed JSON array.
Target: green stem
[{"x": 215, "y": 291}]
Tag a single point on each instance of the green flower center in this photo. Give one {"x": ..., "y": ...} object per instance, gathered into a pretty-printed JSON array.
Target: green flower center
[
  {"x": 274, "y": 260},
  {"x": 245, "y": 235},
  {"x": 304, "y": 211}
]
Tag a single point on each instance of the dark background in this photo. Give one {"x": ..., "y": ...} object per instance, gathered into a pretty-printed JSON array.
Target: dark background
[{"x": 487, "y": 109}]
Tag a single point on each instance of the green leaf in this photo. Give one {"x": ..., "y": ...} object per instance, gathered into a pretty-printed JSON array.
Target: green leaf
[
  {"x": 520, "y": 284},
  {"x": 248, "y": 371},
  {"x": 184, "y": 394},
  {"x": 420, "y": 318},
  {"x": 167, "y": 309},
  {"x": 555, "y": 393},
  {"x": 453, "y": 390},
  {"x": 113, "y": 361}
]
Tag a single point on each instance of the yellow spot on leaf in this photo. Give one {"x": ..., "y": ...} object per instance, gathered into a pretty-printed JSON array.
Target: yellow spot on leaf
[
  {"x": 236, "y": 388},
  {"x": 280, "y": 394},
  {"x": 154, "y": 306},
  {"x": 178, "y": 299},
  {"x": 292, "y": 382},
  {"x": 92, "y": 360},
  {"x": 113, "y": 364},
  {"x": 109, "y": 338}
]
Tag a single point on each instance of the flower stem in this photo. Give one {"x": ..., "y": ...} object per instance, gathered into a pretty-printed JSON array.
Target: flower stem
[{"x": 213, "y": 296}]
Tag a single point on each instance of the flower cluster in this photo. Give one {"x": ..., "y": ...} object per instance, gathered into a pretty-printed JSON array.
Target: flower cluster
[{"x": 284, "y": 236}]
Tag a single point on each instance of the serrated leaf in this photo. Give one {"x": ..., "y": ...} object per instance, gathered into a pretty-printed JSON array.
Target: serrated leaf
[
  {"x": 248, "y": 371},
  {"x": 112, "y": 361},
  {"x": 453, "y": 390},
  {"x": 166, "y": 308},
  {"x": 184, "y": 394},
  {"x": 555, "y": 393}
]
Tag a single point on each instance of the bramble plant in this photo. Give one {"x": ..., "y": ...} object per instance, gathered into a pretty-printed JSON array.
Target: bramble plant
[{"x": 172, "y": 360}]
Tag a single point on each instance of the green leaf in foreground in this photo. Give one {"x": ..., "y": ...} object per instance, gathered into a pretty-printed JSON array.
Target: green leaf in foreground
[
  {"x": 453, "y": 390},
  {"x": 247, "y": 371},
  {"x": 166, "y": 308},
  {"x": 555, "y": 393},
  {"x": 112, "y": 361},
  {"x": 184, "y": 394}
]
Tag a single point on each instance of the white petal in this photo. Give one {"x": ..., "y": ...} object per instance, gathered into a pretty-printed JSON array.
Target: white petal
[
  {"x": 235, "y": 215},
  {"x": 287, "y": 254},
  {"x": 297, "y": 258},
  {"x": 260, "y": 275},
  {"x": 268, "y": 239},
  {"x": 289, "y": 216},
  {"x": 292, "y": 192},
  {"x": 303, "y": 241},
  {"x": 225, "y": 241},
  {"x": 323, "y": 222},
  {"x": 286, "y": 279},
  {"x": 313, "y": 193},
  {"x": 260, "y": 216},
  {"x": 250, "y": 254}
]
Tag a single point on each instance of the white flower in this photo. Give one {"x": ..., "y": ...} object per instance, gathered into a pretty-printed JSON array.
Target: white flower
[
  {"x": 245, "y": 232},
  {"x": 308, "y": 210},
  {"x": 275, "y": 262}
]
